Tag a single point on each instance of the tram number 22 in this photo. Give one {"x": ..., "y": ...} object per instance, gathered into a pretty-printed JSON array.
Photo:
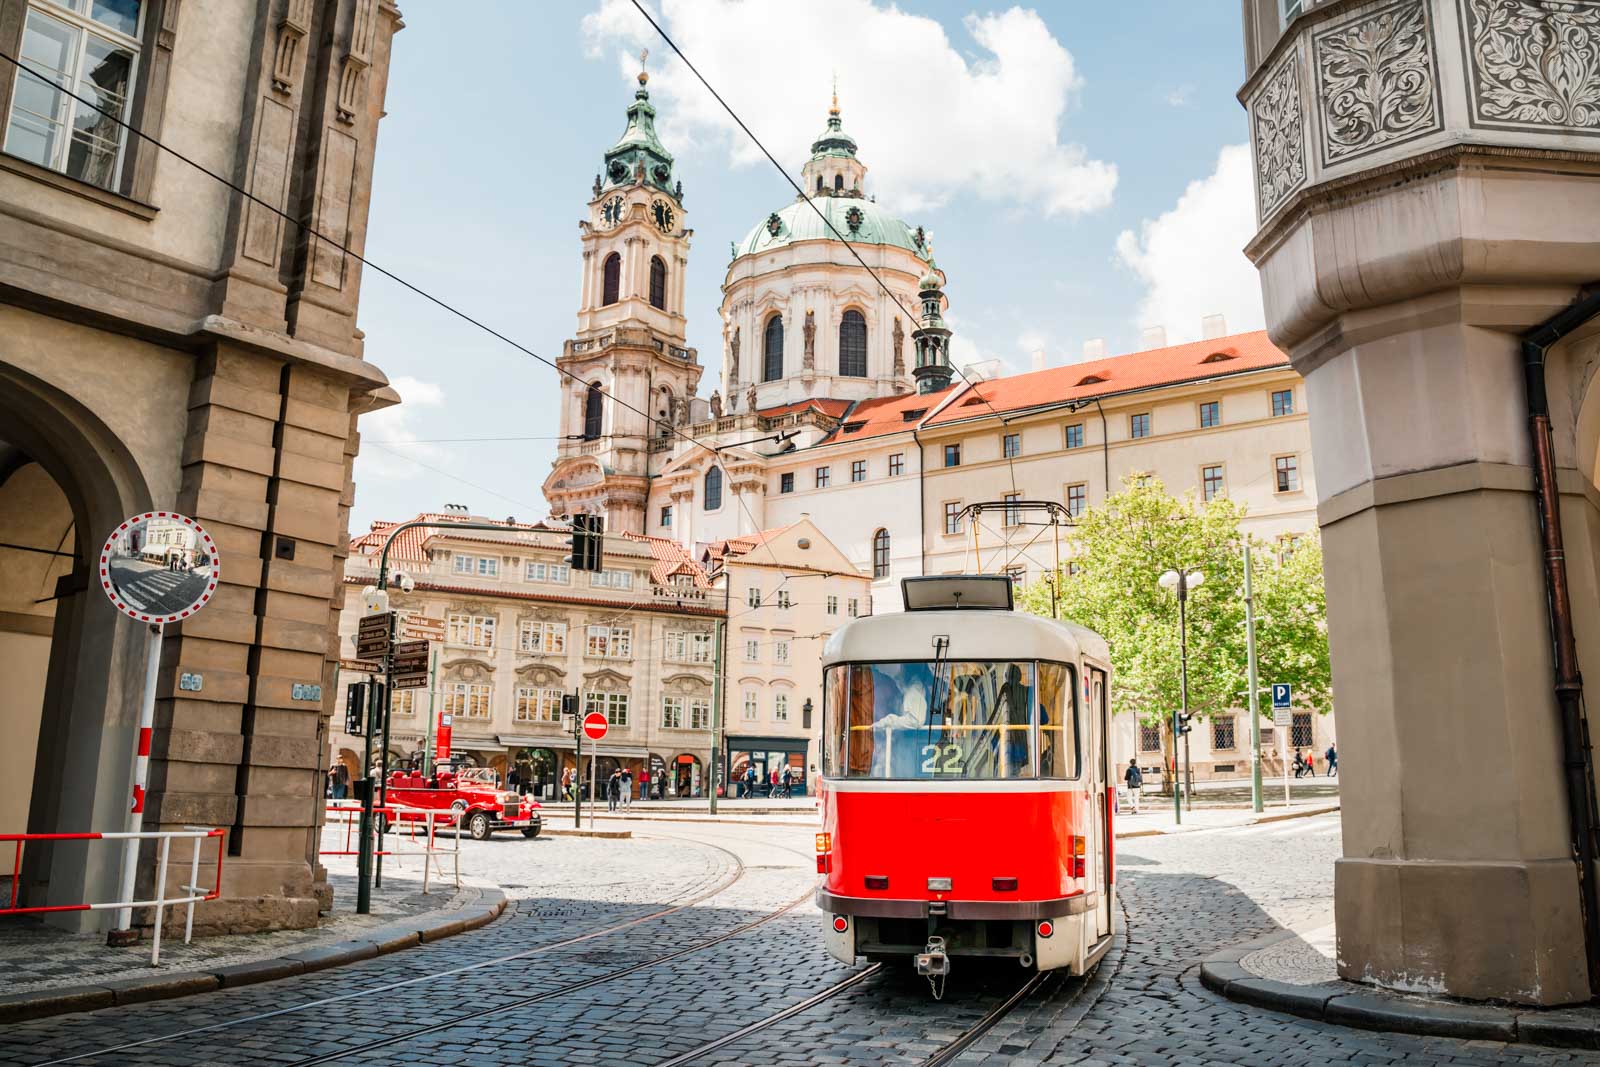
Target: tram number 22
[{"x": 941, "y": 759}]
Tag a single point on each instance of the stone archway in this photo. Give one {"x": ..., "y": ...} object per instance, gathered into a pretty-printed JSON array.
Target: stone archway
[{"x": 65, "y": 481}]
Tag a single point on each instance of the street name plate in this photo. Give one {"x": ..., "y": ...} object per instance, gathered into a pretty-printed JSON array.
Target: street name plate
[
  {"x": 422, "y": 628},
  {"x": 373, "y": 634}
]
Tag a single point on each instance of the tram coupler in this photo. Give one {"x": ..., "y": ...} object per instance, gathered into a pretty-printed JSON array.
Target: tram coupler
[{"x": 933, "y": 962}]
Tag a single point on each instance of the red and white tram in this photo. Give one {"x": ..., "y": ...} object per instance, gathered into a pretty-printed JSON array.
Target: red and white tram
[{"x": 966, "y": 810}]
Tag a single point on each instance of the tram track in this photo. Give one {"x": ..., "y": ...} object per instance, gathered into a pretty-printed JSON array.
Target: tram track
[{"x": 740, "y": 869}]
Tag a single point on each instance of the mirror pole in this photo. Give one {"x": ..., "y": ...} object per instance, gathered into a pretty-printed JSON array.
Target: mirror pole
[{"x": 141, "y": 775}]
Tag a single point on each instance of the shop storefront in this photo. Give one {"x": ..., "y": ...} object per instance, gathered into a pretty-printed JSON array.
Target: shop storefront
[
  {"x": 687, "y": 776},
  {"x": 767, "y": 755}
]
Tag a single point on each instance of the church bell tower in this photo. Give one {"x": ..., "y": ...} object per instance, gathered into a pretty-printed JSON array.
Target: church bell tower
[{"x": 630, "y": 375}]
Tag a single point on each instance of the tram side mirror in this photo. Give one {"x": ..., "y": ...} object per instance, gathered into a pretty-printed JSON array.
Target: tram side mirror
[{"x": 159, "y": 567}]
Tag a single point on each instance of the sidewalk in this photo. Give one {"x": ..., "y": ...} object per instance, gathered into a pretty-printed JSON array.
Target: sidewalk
[{"x": 50, "y": 971}]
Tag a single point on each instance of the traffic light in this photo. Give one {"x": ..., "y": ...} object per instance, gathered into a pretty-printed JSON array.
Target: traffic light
[
  {"x": 355, "y": 709},
  {"x": 1184, "y": 725},
  {"x": 587, "y": 543}
]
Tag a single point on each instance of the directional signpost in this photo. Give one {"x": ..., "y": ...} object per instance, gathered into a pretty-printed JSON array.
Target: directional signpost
[
  {"x": 374, "y": 641},
  {"x": 373, "y": 634},
  {"x": 410, "y": 665},
  {"x": 1282, "y": 719}
]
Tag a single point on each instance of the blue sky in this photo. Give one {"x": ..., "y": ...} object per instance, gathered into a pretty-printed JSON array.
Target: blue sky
[{"x": 1068, "y": 159}]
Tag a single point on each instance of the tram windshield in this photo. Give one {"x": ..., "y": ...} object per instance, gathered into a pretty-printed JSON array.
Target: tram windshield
[{"x": 951, "y": 720}]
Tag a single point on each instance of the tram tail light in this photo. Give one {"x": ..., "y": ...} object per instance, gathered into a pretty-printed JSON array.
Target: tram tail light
[
  {"x": 824, "y": 853},
  {"x": 1004, "y": 885},
  {"x": 824, "y": 842},
  {"x": 1077, "y": 857},
  {"x": 877, "y": 881}
]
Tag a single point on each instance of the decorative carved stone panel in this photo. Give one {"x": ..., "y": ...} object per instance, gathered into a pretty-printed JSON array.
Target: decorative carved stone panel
[
  {"x": 1277, "y": 130},
  {"x": 1377, "y": 81},
  {"x": 1533, "y": 64}
]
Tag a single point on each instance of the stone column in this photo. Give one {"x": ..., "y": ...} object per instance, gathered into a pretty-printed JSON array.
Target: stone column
[{"x": 1415, "y": 219}]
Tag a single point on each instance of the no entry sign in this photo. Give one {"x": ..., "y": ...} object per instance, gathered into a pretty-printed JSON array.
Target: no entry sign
[{"x": 594, "y": 726}]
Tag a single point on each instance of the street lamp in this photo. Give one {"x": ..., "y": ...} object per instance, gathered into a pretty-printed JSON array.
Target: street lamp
[{"x": 1181, "y": 582}]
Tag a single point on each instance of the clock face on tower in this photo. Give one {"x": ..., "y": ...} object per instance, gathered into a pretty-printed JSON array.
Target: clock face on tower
[
  {"x": 664, "y": 216},
  {"x": 611, "y": 211}
]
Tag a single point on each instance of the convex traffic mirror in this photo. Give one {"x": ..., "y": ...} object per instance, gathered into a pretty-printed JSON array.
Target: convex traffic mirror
[{"x": 159, "y": 567}]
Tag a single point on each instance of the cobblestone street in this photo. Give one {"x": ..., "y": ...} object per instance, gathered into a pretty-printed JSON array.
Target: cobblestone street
[{"x": 642, "y": 951}]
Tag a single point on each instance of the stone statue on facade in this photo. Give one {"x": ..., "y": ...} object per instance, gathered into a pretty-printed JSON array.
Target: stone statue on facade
[
  {"x": 811, "y": 341},
  {"x": 597, "y": 185},
  {"x": 716, "y": 405},
  {"x": 750, "y": 398},
  {"x": 733, "y": 362},
  {"x": 899, "y": 348}
]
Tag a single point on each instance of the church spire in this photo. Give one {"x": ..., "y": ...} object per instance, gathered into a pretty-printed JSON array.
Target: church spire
[
  {"x": 639, "y": 156},
  {"x": 833, "y": 169},
  {"x": 931, "y": 339}
]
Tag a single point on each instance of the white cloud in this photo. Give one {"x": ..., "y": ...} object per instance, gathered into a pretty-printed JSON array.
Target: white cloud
[
  {"x": 1181, "y": 96},
  {"x": 1191, "y": 258},
  {"x": 930, "y": 121},
  {"x": 392, "y": 433}
]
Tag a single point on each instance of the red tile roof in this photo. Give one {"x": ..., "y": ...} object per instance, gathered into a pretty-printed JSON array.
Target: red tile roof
[
  {"x": 886, "y": 414},
  {"x": 672, "y": 560},
  {"x": 1117, "y": 374},
  {"x": 743, "y": 544},
  {"x": 410, "y": 545},
  {"x": 827, "y": 405}
]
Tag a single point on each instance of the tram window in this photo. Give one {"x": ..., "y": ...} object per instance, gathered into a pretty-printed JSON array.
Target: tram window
[
  {"x": 963, "y": 720},
  {"x": 1058, "y": 721}
]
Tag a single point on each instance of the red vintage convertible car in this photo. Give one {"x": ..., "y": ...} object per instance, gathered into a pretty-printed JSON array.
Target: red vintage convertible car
[{"x": 471, "y": 798}]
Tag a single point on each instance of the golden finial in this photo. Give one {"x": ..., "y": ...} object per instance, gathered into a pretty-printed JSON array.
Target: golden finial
[
  {"x": 834, "y": 110},
  {"x": 644, "y": 75}
]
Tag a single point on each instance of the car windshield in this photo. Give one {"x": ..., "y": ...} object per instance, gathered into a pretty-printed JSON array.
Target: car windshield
[{"x": 948, "y": 720}]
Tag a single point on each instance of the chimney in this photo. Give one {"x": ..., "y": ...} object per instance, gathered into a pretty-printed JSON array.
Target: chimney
[
  {"x": 1152, "y": 337},
  {"x": 1094, "y": 348},
  {"x": 1038, "y": 359},
  {"x": 1212, "y": 327}
]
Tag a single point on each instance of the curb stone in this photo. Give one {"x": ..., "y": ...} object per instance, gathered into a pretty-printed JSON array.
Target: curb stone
[
  {"x": 19, "y": 1007},
  {"x": 1369, "y": 1008},
  {"x": 1263, "y": 820}
]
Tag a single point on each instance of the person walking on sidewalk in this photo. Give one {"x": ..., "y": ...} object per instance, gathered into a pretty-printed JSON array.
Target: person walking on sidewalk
[
  {"x": 1333, "y": 761},
  {"x": 1135, "y": 780},
  {"x": 613, "y": 790},
  {"x": 626, "y": 786}
]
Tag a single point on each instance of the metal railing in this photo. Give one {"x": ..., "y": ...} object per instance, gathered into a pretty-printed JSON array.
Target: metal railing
[
  {"x": 405, "y": 821},
  {"x": 195, "y": 891}
]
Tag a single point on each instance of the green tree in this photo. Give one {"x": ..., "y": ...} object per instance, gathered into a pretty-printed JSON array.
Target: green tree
[{"x": 1292, "y": 624}]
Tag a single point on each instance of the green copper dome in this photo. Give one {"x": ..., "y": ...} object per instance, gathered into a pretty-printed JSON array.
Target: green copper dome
[
  {"x": 859, "y": 220},
  {"x": 638, "y": 147}
]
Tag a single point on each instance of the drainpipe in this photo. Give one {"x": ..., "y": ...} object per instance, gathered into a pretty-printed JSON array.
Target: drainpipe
[
  {"x": 1105, "y": 444},
  {"x": 922, "y": 506},
  {"x": 1577, "y": 760}
]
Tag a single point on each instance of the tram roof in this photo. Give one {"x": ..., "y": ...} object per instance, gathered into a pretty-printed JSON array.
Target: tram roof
[{"x": 974, "y": 635}]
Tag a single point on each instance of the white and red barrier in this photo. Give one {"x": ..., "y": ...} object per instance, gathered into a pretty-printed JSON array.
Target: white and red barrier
[
  {"x": 406, "y": 821},
  {"x": 195, "y": 892}
]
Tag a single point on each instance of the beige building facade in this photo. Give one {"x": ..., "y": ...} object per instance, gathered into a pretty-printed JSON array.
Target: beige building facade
[
  {"x": 191, "y": 350},
  {"x": 1421, "y": 224}
]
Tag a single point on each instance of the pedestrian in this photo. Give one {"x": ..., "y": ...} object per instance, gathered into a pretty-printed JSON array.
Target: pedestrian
[
  {"x": 1299, "y": 764},
  {"x": 626, "y": 788},
  {"x": 661, "y": 784},
  {"x": 613, "y": 790},
  {"x": 566, "y": 783},
  {"x": 1333, "y": 760},
  {"x": 1311, "y": 764},
  {"x": 750, "y": 780},
  {"x": 788, "y": 782},
  {"x": 513, "y": 780},
  {"x": 1135, "y": 779}
]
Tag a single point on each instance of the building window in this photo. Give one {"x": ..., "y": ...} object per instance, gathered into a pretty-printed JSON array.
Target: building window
[
  {"x": 91, "y": 49},
  {"x": 853, "y": 345},
  {"x": 952, "y": 455},
  {"x": 952, "y": 517},
  {"x": 713, "y": 492},
  {"x": 858, "y": 470},
  {"x": 614, "y": 706},
  {"x": 780, "y": 707},
  {"x": 752, "y": 650},
  {"x": 1077, "y": 499},
  {"x": 403, "y": 702},
  {"x": 1210, "y": 414},
  {"x": 880, "y": 554},
  {"x": 752, "y": 705},
  {"x": 611, "y": 580},
  {"x": 1300, "y": 735},
  {"x": 1139, "y": 425},
  {"x": 1288, "y": 11},
  {"x": 545, "y": 638},
  {"x": 851, "y": 608},
  {"x": 700, "y": 650},
  {"x": 1011, "y": 445},
  {"x": 1211, "y": 481},
  {"x": 609, "y": 642},
  {"x": 1013, "y": 514},
  {"x": 1222, "y": 734},
  {"x": 780, "y": 651},
  {"x": 1288, "y": 471},
  {"x": 478, "y": 566},
  {"x": 672, "y": 713},
  {"x": 466, "y": 700},
  {"x": 1075, "y": 435},
  {"x": 1074, "y": 568},
  {"x": 612, "y": 285},
  {"x": 752, "y": 597},
  {"x": 553, "y": 573},
  {"x": 1143, "y": 479},
  {"x": 1282, "y": 402},
  {"x": 772, "y": 350},
  {"x": 593, "y": 410},
  {"x": 666, "y": 515},
  {"x": 897, "y": 464},
  {"x": 786, "y": 482},
  {"x": 658, "y": 283},
  {"x": 833, "y": 604},
  {"x": 838, "y": 183},
  {"x": 824, "y": 476},
  {"x": 699, "y": 714},
  {"x": 538, "y": 705},
  {"x": 1287, "y": 544},
  {"x": 1149, "y": 737},
  {"x": 471, "y": 631},
  {"x": 783, "y": 598}
]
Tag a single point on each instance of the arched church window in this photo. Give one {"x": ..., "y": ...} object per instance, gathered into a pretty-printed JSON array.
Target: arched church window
[
  {"x": 819, "y": 183},
  {"x": 658, "y": 283},
  {"x": 838, "y": 183},
  {"x": 612, "y": 284},
  {"x": 880, "y": 554},
  {"x": 592, "y": 408},
  {"x": 772, "y": 350},
  {"x": 853, "y": 345},
  {"x": 713, "y": 489}
]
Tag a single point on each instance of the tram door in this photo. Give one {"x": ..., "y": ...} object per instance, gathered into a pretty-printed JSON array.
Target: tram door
[{"x": 1100, "y": 757}]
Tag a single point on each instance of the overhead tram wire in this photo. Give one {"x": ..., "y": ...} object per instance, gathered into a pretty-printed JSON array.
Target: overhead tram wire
[
  {"x": 364, "y": 261},
  {"x": 1010, "y": 460}
]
